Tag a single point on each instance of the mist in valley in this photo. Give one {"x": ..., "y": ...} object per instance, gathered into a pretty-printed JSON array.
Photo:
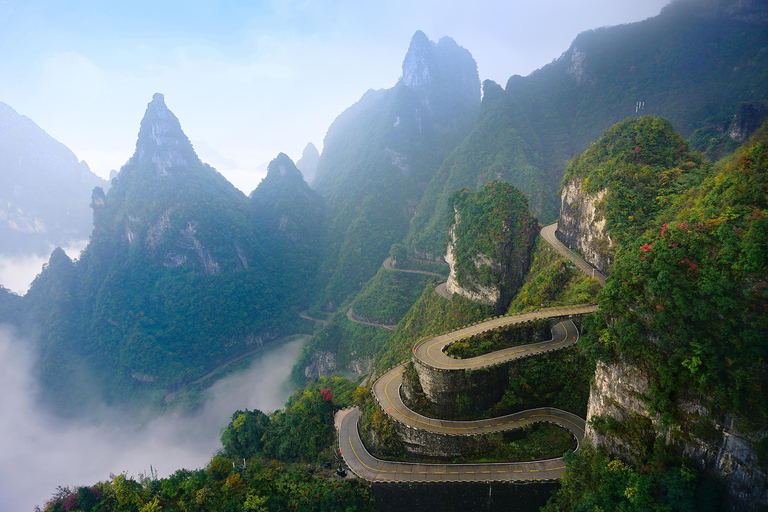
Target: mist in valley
[
  {"x": 41, "y": 451},
  {"x": 18, "y": 271}
]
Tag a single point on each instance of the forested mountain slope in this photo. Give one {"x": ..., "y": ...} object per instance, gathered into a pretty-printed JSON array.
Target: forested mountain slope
[
  {"x": 182, "y": 272},
  {"x": 44, "y": 189},
  {"x": 694, "y": 64},
  {"x": 380, "y": 154},
  {"x": 680, "y": 338}
]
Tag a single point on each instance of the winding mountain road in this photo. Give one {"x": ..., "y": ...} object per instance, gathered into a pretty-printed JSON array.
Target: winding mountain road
[
  {"x": 548, "y": 234},
  {"x": 351, "y": 318},
  {"x": 389, "y": 265},
  {"x": 429, "y": 352}
]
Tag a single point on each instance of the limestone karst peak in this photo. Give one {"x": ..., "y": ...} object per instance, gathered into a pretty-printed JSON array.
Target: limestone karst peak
[
  {"x": 430, "y": 66},
  {"x": 161, "y": 140},
  {"x": 307, "y": 164},
  {"x": 417, "y": 62},
  {"x": 283, "y": 166}
]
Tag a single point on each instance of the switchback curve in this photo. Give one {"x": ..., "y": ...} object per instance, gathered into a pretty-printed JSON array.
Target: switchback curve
[{"x": 429, "y": 352}]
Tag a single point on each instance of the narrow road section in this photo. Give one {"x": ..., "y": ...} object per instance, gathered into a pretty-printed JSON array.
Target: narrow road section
[
  {"x": 352, "y": 317},
  {"x": 389, "y": 265},
  {"x": 548, "y": 234}
]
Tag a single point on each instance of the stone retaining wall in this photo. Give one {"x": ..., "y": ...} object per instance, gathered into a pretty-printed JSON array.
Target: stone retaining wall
[
  {"x": 429, "y": 444},
  {"x": 455, "y": 392}
]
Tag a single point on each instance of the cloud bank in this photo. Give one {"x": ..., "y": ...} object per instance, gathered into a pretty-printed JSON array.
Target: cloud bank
[{"x": 40, "y": 452}]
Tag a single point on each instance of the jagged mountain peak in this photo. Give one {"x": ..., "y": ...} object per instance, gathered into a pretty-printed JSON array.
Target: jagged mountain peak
[
  {"x": 283, "y": 166},
  {"x": 418, "y": 61},
  {"x": 444, "y": 64},
  {"x": 161, "y": 140},
  {"x": 307, "y": 164}
]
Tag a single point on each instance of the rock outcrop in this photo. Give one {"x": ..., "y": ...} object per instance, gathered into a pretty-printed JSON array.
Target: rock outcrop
[
  {"x": 582, "y": 227},
  {"x": 621, "y": 392},
  {"x": 490, "y": 244}
]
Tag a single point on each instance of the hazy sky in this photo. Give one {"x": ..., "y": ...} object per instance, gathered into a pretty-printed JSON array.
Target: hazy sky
[{"x": 251, "y": 79}]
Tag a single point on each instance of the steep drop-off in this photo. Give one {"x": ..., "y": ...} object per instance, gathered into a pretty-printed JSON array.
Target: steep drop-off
[
  {"x": 682, "y": 328},
  {"x": 611, "y": 191},
  {"x": 491, "y": 238},
  {"x": 694, "y": 64}
]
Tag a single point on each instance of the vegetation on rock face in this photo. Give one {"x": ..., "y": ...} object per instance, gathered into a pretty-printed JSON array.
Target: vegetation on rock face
[
  {"x": 493, "y": 234},
  {"x": 690, "y": 64},
  {"x": 645, "y": 165},
  {"x": 687, "y": 300},
  {"x": 552, "y": 281},
  {"x": 181, "y": 274},
  {"x": 722, "y": 135},
  {"x": 379, "y": 155},
  {"x": 685, "y": 304},
  {"x": 500, "y": 148}
]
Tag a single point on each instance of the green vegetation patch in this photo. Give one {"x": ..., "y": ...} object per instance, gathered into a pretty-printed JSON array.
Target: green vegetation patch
[
  {"x": 493, "y": 230},
  {"x": 552, "y": 281},
  {"x": 278, "y": 462},
  {"x": 596, "y": 481},
  {"x": 533, "y": 331},
  {"x": 301, "y": 432},
  {"x": 432, "y": 314},
  {"x": 687, "y": 300},
  {"x": 645, "y": 165},
  {"x": 389, "y": 295}
]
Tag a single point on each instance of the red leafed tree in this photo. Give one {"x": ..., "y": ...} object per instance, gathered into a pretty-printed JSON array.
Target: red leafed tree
[{"x": 327, "y": 394}]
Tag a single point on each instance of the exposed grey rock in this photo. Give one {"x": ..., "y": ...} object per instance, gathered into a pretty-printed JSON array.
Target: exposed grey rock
[
  {"x": 581, "y": 226},
  {"x": 323, "y": 365},
  {"x": 508, "y": 268},
  {"x": 621, "y": 390}
]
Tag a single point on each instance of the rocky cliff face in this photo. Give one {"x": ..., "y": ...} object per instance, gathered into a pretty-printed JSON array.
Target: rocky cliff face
[
  {"x": 380, "y": 154},
  {"x": 490, "y": 242},
  {"x": 427, "y": 64},
  {"x": 167, "y": 201},
  {"x": 621, "y": 391},
  {"x": 490, "y": 295},
  {"x": 581, "y": 226}
]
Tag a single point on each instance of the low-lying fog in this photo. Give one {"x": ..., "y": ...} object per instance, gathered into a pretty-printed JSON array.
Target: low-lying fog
[
  {"x": 39, "y": 452},
  {"x": 18, "y": 272}
]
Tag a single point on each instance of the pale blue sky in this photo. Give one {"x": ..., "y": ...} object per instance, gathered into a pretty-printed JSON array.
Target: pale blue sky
[{"x": 251, "y": 79}]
